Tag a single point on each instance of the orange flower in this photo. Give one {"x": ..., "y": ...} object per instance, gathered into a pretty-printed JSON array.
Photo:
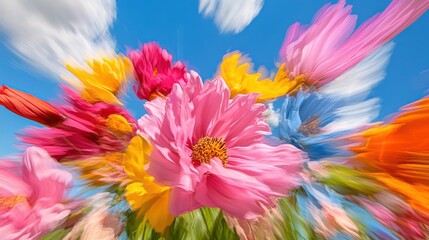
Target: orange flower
[
  {"x": 30, "y": 107},
  {"x": 417, "y": 195},
  {"x": 397, "y": 153}
]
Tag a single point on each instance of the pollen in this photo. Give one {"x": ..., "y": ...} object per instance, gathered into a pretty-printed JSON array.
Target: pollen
[
  {"x": 11, "y": 201},
  {"x": 208, "y": 148}
]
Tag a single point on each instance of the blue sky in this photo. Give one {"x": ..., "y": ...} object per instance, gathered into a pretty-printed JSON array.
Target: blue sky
[{"x": 196, "y": 40}]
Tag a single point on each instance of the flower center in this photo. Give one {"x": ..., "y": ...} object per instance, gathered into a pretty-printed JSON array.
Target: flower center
[
  {"x": 10, "y": 201},
  {"x": 208, "y": 148},
  {"x": 310, "y": 127}
]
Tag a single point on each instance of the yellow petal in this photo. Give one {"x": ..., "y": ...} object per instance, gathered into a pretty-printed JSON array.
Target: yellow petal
[
  {"x": 104, "y": 79},
  {"x": 158, "y": 215},
  {"x": 143, "y": 194},
  {"x": 133, "y": 193},
  {"x": 101, "y": 170},
  {"x": 118, "y": 124},
  {"x": 236, "y": 72},
  {"x": 137, "y": 154}
]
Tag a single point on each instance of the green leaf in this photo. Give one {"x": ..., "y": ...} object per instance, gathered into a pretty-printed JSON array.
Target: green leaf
[
  {"x": 136, "y": 229},
  {"x": 57, "y": 234},
  {"x": 201, "y": 224},
  {"x": 293, "y": 225},
  {"x": 347, "y": 181}
]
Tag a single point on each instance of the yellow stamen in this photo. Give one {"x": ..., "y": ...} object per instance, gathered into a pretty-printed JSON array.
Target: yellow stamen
[
  {"x": 208, "y": 148},
  {"x": 11, "y": 201}
]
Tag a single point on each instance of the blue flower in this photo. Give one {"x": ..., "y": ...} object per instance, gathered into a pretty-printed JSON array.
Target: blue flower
[{"x": 303, "y": 119}]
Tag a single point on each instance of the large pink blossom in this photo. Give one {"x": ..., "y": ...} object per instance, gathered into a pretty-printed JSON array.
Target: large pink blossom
[
  {"x": 330, "y": 46},
  {"x": 88, "y": 130},
  {"x": 30, "y": 199},
  {"x": 209, "y": 149},
  {"x": 154, "y": 72}
]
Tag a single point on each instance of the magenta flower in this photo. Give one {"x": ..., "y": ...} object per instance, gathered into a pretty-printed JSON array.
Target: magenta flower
[
  {"x": 30, "y": 199},
  {"x": 329, "y": 47},
  {"x": 209, "y": 149},
  {"x": 154, "y": 72},
  {"x": 89, "y": 129}
]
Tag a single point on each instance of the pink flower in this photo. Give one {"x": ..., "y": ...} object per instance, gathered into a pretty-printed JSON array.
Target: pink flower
[
  {"x": 154, "y": 72},
  {"x": 329, "y": 47},
  {"x": 89, "y": 129},
  {"x": 209, "y": 149},
  {"x": 30, "y": 201}
]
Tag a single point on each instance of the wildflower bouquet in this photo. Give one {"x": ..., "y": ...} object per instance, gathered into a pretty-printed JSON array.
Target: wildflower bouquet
[{"x": 241, "y": 156}]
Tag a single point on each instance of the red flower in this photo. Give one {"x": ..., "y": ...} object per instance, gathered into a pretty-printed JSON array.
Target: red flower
[
  {"x": 28, "y": 106},
  {"x": 154, "y": 72},
  {"x": 89, "y": 130}
]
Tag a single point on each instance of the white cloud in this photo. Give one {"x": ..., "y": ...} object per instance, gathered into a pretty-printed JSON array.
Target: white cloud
[
  {"x": 272, "y": 117},
  {"x": 47, "y": 33},
  {"x": 361, "y": 79},
  {"x": 355, "y": 86},
  {"x": 354, "y": 116},
  {"x": 231, "y": 15}
]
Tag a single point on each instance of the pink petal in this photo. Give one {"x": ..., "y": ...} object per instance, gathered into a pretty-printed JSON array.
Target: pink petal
[
  {"x": 277, "y": 167},
  {"x": 48, "y": 183},
  {"x": 184, "y": 201},
  {"x": 231, "y": 190},
  {"x": 327, "y": 49}
]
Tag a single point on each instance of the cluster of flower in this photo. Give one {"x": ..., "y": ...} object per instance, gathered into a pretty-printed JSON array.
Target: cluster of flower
[{"x": 289, "y": 156}]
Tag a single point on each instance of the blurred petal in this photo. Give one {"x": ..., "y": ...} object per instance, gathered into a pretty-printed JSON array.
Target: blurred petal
[
  {"x": 104, "y": 80},
  {"x": 237, "y": 73},
  {"x": 148, "y": 198},
  {"x": 30, "y": 107},
  {"x": 330, "y": 46},
  {"x": 154, "y": 71}
]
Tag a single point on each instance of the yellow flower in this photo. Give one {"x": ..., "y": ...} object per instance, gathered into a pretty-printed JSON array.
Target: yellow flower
[
  {"x": 101, "y": 170},
  {"x": 118, "y": 124},
  {"x": 235, "y": 70},
  {"x": 105, "y": 79},
  {"x": 143, "y": 194}
]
